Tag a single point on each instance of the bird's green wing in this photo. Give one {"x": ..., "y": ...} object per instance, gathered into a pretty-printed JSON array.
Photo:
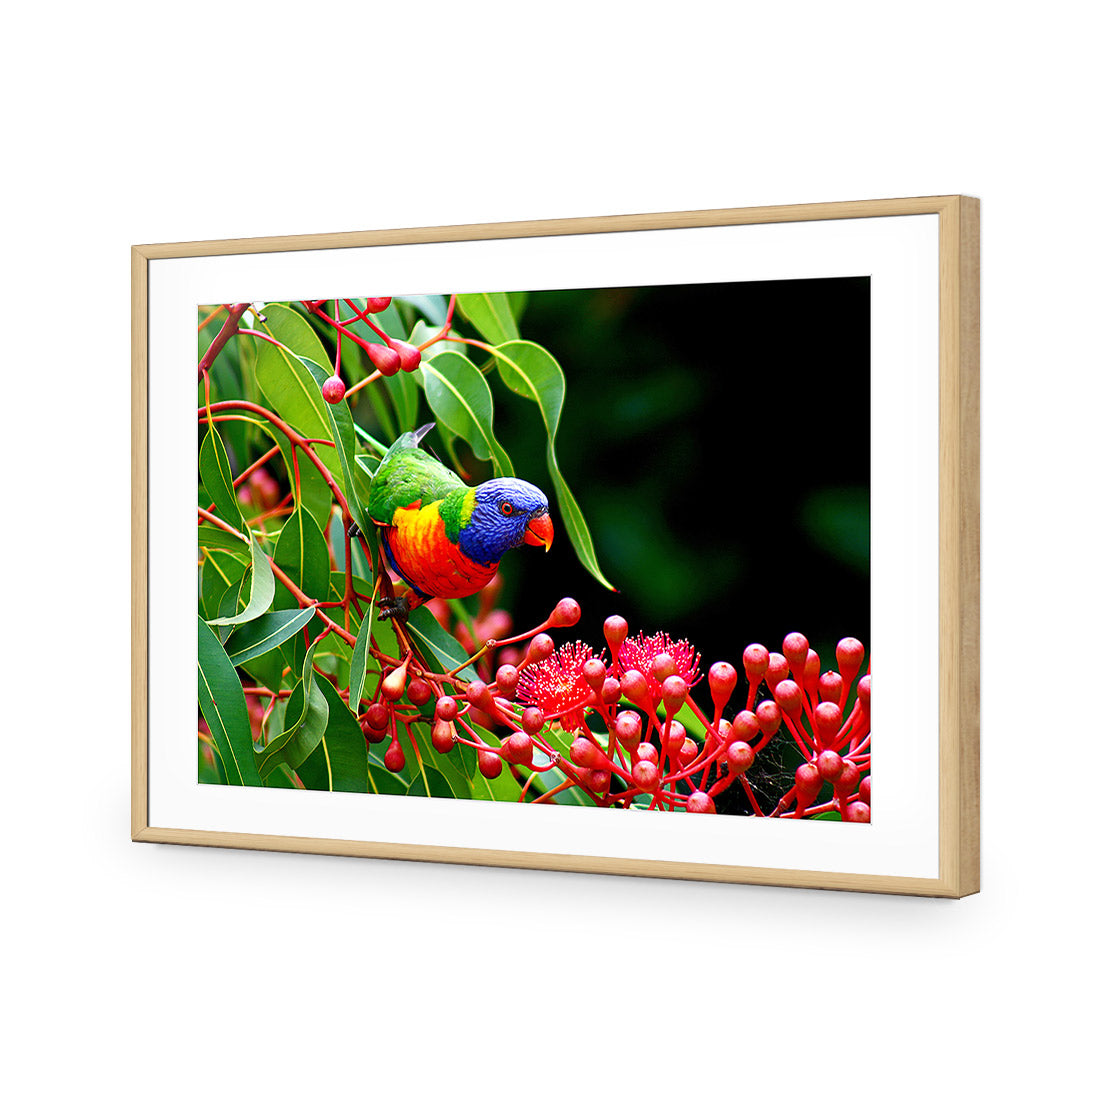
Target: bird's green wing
[{"x": 407, "y": 474}]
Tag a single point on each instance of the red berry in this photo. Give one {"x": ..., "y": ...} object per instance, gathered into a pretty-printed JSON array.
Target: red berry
[
  {"x": 595, "y": 673},
  {"x": 333, "y": 390},
  {"x": 628, "y": 729},
  {"x": 645, "y": 775},
  {"x": 377, "y": 305},
  {"x": 532, "y": 720},
  {"x": 739, "y": 756},
  {"x": 828, "y": 718},
  {"x": 507, "y": 680},
  {"x": 386, "y": 361},
  {"x": 722, "y": 679},
  {"x": 407, "y": 355},
  {"x": 395, "y": 756},
  {"x": 830, "y": 765},
  {"x": 699, "y": 802},
  {"x": 674, "y": 692},
  {"x": 539, "y": 648},
  {"x": 489, "y": 764},
  {"x": 566, "y": 613},
  {"x": 830, "y": 687},
  {"x": 849, "y": 658},
  {"x": 778, "y": 669},
  {"x": 856, "y": 811},
  {"x": 419, "y": 692},
  {"x": 443, "y": 736},
  {"x": 518, "y": 749},
  {"x": 769, "y": 716},
  {"x": 755, "y": 659},
  {"x": 446, "y": 708}
]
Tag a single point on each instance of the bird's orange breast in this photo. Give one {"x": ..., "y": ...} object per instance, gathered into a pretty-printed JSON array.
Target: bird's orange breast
[{"x": 428, "y": 560}]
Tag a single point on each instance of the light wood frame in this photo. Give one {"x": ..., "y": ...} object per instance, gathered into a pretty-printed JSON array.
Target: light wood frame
[{"x": 959, "y": 825}]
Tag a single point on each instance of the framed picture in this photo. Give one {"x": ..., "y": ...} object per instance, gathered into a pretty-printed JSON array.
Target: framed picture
[{"x": 563, "y": 544}]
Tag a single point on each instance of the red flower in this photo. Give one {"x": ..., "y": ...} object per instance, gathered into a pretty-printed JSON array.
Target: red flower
[
  {"x": 638, "y": 653},
  {"x": 557, "y": 685}
]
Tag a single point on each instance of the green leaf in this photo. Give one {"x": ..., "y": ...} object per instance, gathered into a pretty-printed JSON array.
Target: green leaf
[
  {"x": 491, "y": 315},
  {"x": 433, "y": 306},
  {"x": 217, "y": 478},
  {"x": 340, "y": 762},
  {"x": 265, "y": 633},
  {"x": 307, "y": 714},
  {"x": 531, "y": 371},
  {"x": 405, "y": 396},
  {"x": 438, "y": 646},
  {"x": 461, "y": 398},
  {"x": 302, "y": 554},
  {"x": 219, "y": 571},
  {"x": 262, "y": 591},
  {"x": 215, "y": 538},
  {"x": 221, "y": 700},
  {"x": 431, "y": 782}
]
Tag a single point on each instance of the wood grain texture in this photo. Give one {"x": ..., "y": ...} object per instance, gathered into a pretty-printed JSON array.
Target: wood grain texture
[{"x": 959, "y": 450}]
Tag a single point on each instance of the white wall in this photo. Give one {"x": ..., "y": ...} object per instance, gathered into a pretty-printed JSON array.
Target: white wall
[{"x": 154, "y": 971}]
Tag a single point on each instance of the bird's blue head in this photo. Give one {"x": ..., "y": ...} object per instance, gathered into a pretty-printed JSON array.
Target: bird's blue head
[{"x": 507, "y": 512}]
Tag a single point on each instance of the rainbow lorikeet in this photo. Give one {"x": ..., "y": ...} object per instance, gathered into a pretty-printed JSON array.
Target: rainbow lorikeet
[{"x": 442, "y": 536}]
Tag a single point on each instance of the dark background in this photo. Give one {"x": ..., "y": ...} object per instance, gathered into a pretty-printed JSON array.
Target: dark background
[{"x": 717, "y": 439}]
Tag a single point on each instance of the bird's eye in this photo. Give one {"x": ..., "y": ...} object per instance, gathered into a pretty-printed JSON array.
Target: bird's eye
[{"x": 506, "y": 509}]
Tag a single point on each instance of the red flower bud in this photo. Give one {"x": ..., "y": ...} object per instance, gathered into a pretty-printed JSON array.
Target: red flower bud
[
  {"x": 539, "y": 648},
  {"x": 634, "y": 686},
  {"x": 849, "y": 658},
  {"x": 507, "y": 680},
  {"x": 533, "y": 720},
  {"x": 856, "y": 811},
  {"x": 393, "y": 686},
  {"x": 377, "y": 305},
  {"x": 662, "y": 666},
  {"x": 689, "y": 750},
  {"x": 674, "y": 691},
  {"x": 789, "y": 697},
  {"x": 699, "y": 802},
  {"x": 829, "y": 718},
  {"x": 615, "y": 631},
  {"x": 769, "y": 716},
  {"x": 489, "y": 764},
  {"x": 333, "y": 390},
  {"x": 395, "y": 756},
  {"x": 628, "y": 729},
  {"x": 830, "y": 687},
  {"x": 755, "y": 659},
  {"x": 807, "y": 783},
  {"x": 745, "y": 726},
  {"x": 518, "y": 748},
  {"x": 778, "y": 669},
  {"x": 848, "y": 780},
  {"x": 863, "y": 691},
  {"x": 599, "y": 780},
  {"x": 586, "y": 754},
  {"x": 408, "y": 355},
  {"x": 566, "y": 613},
  {"x": 595, "y": 672},
  {"x": 478, "y": 695},
  {"x": 739, "y": 756},
  {"x": 378, "y": 716},
  {"x": 722, "y": 679},
  {"x": 865, "y": 790},
  {"x": 645, "y": 775},
  {"x": 446, "y": 708},
  {"x": 811, "y": 671},
  {"x": 611, "y": 690},
  {"x": 830, "y": 765},
  {"x": 443, "y": 736},
  {"x": 419, "y": 692},
  {"x": 647, "y": 751},
  {"x": 386, "y": 361},
  {"x": 796, "y": 648},
  {"x": 675, "y": 737}
]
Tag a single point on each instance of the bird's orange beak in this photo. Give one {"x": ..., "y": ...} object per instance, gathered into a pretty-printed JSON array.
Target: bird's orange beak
[{"x": 540, "y": 531}]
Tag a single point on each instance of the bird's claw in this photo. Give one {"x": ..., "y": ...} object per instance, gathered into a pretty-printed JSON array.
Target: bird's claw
[{"x": 394, "y": 607}]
